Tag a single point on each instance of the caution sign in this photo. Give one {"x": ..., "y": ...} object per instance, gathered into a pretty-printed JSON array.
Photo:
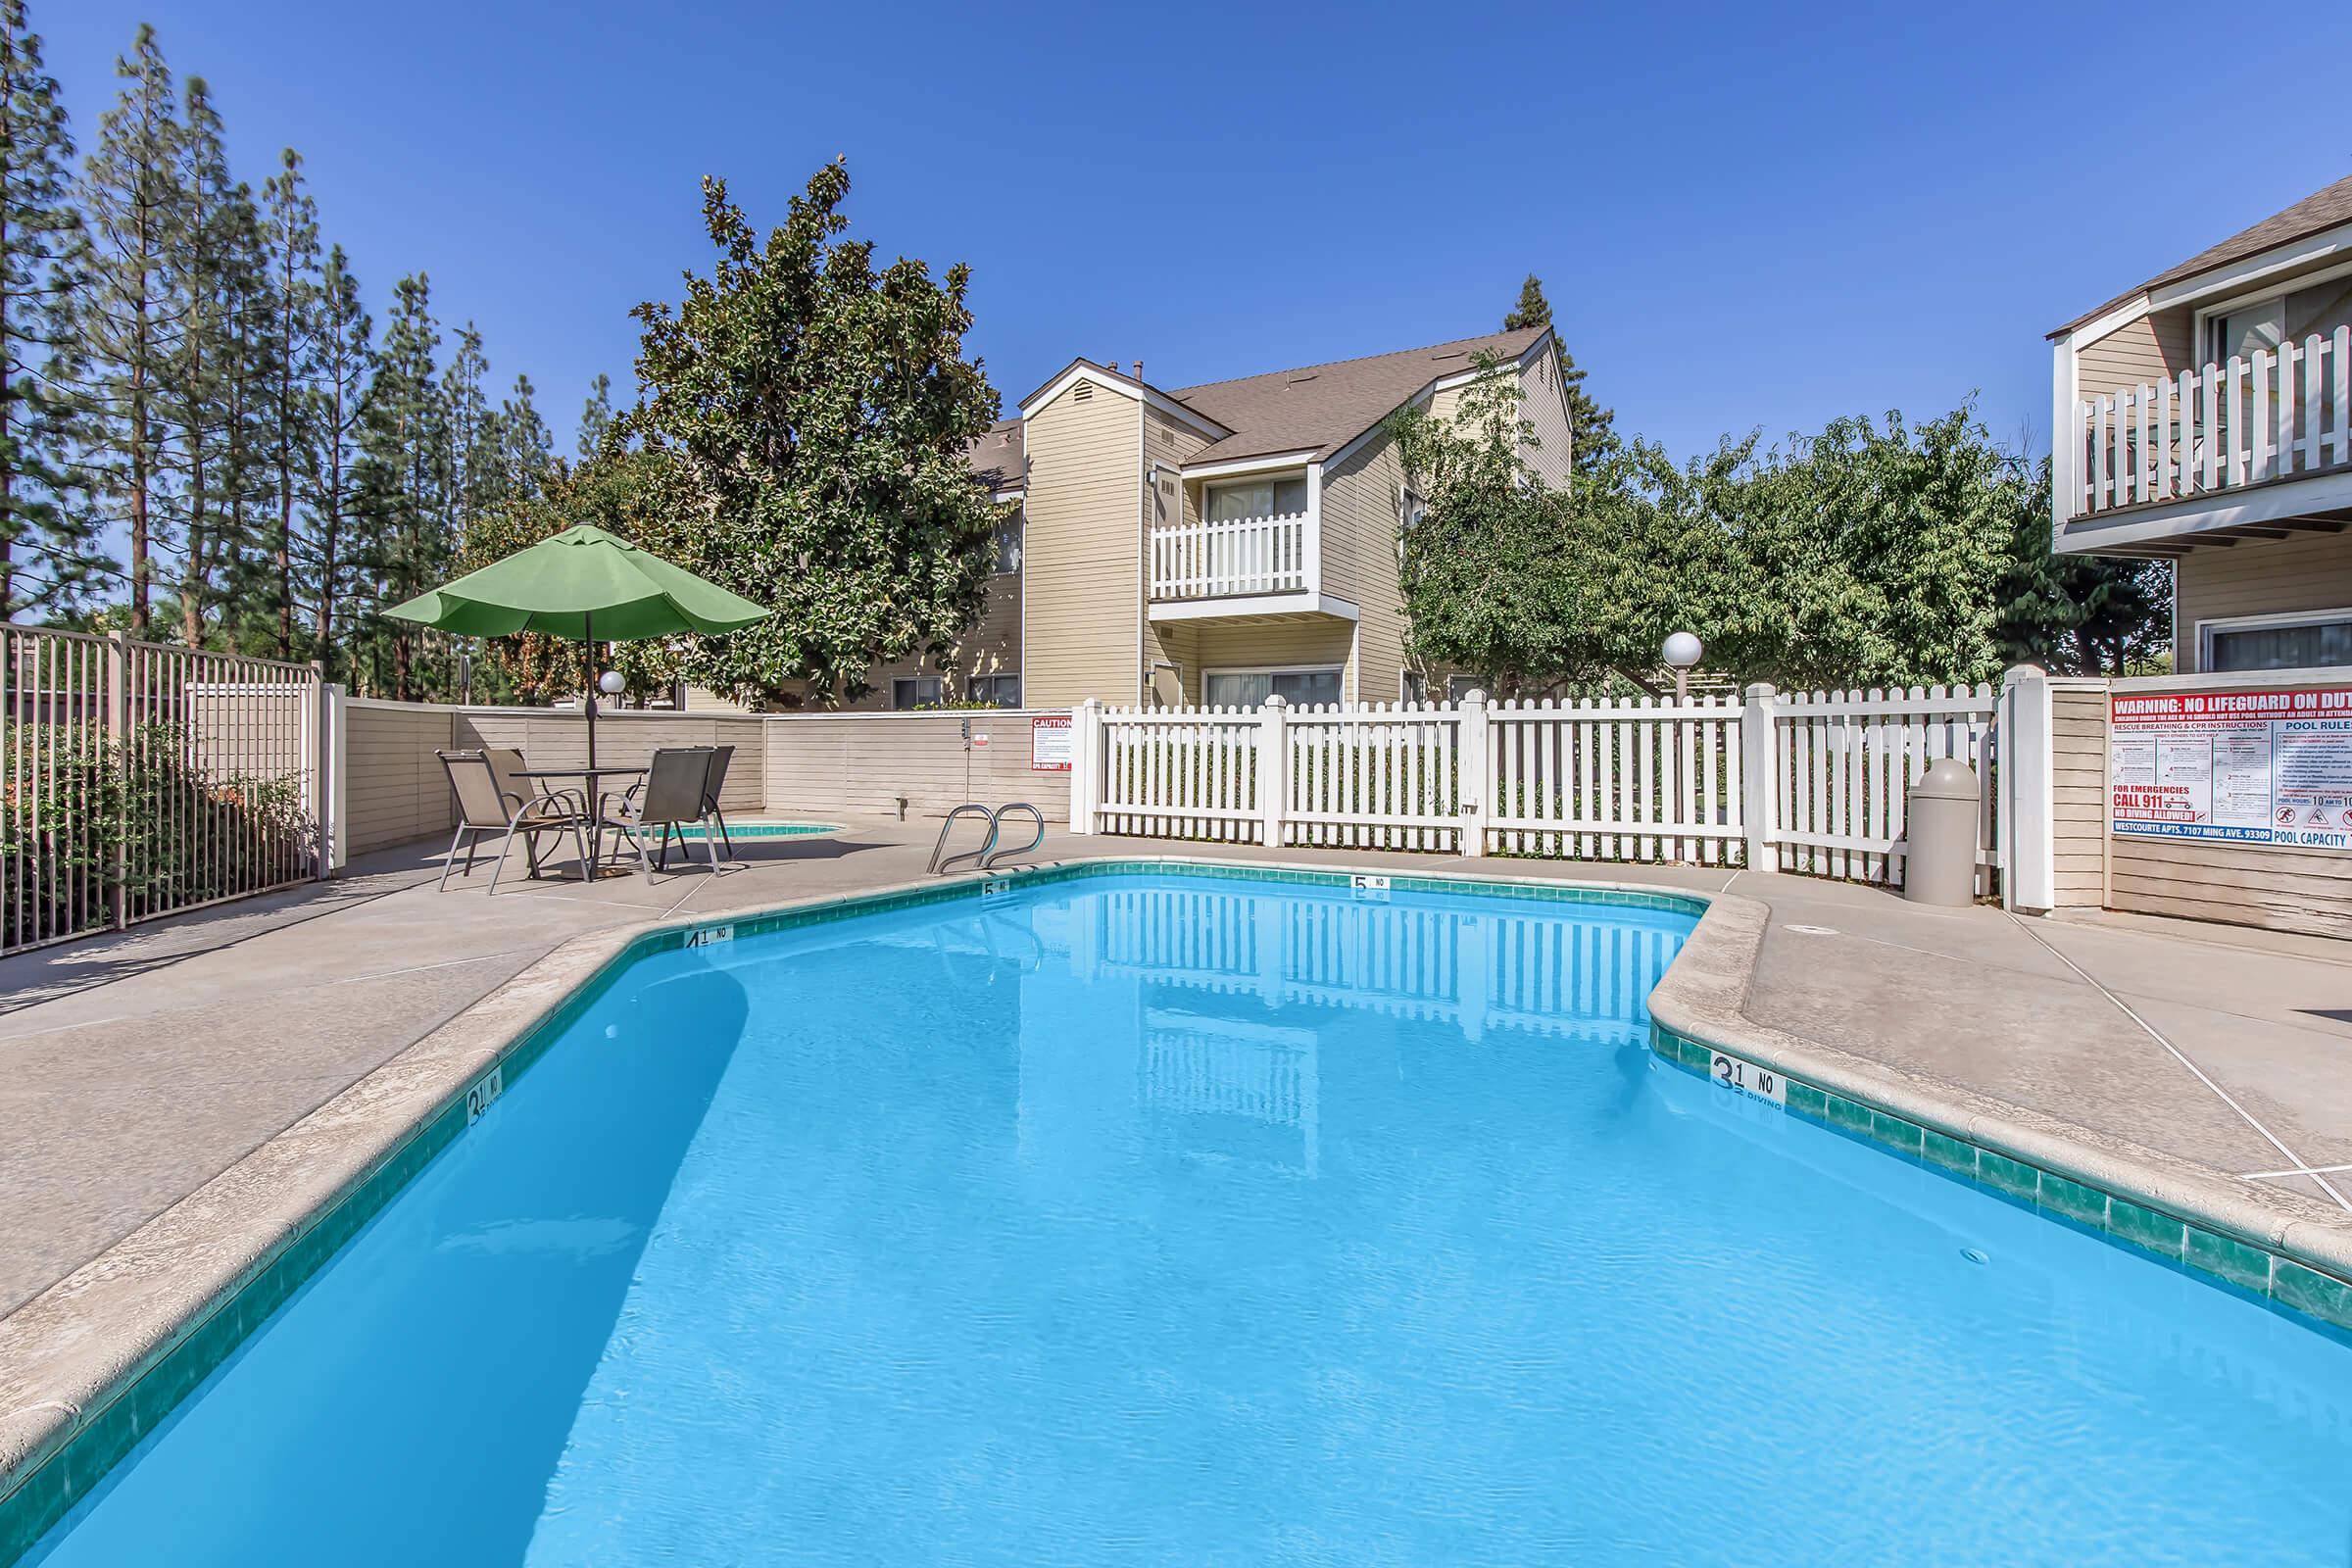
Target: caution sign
[{"x": 2241, "y": 767}]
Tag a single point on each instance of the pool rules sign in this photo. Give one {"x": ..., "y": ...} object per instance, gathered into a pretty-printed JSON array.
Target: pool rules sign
[{"x": 2233, "y": 767}]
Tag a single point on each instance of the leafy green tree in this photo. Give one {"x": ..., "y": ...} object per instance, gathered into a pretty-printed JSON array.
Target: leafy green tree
[
  {"x": 130, "y": 315},
  {"x": 2079, "y": 614},
  {"x": 1593, "y": 432},
  {"x": 48, "y": 536},
  {"x": 819, "y": 410},
  {"x": 402, "y": 480}
]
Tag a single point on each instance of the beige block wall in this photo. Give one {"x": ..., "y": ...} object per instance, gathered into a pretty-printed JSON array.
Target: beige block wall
[
  {"x": 821, "y": 765},
  {"x": 2257, "y": 578},
  {"x": 2078, "y": 791},
  {"x": 1082, "y": 565},
  {"x": 394, "y": 790},
  {"x": 552, "y": 736}
]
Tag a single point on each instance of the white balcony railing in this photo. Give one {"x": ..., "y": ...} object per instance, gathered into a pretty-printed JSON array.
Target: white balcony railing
[
  {"x": 2272, "y": 417},
  {"x": 1239, "y": 556}
]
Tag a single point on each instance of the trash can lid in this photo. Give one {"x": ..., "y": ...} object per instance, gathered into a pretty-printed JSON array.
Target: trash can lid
[{"x": 1947, "y": 778}]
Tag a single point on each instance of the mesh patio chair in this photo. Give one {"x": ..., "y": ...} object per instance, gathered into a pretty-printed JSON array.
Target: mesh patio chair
[
  {"x": 721, "y": 755},
  {"x": 675, "y": 792},
  {"x": 485, "y": 809}
]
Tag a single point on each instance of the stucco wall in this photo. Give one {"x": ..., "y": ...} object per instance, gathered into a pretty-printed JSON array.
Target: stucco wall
[{"x": 819, "y": 765}]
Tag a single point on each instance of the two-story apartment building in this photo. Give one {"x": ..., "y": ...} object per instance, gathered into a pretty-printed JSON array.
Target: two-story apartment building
[
  {"x": 1212, "y": 543},
  {"x": 2206, "y": 416}
]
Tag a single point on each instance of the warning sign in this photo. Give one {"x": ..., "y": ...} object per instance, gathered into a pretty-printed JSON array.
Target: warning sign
[
  {"x": 1050, "y": 747},
  {"x": 2243, "y": 767}
]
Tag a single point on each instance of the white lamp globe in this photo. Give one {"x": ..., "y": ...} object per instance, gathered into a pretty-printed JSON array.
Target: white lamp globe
[
  {"x": 610, "y": 683},
  {"x": 1683, "y": 651}
]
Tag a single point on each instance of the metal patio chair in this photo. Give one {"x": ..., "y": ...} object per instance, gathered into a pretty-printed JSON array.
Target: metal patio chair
[
  {"x": 483, "y": 808},
  {"x": 721, "y": 755},
  {"x": 674, "y": 793}
]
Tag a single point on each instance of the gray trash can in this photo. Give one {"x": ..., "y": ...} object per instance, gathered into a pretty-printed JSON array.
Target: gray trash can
[{"x": 1940, "y": 824}]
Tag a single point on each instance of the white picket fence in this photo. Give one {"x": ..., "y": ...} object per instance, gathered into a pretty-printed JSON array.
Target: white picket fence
[{"x": 1814, "y": 783}]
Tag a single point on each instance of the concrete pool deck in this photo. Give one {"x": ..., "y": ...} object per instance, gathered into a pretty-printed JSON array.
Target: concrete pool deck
[{"x": 140, "y": 1066}]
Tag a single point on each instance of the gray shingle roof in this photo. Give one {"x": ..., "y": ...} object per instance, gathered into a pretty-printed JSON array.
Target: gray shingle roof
[
  {"x": 2322, "y": 209},
  {"x": 1000, "y": 456},
  {"x": 1321, "y": 408}
]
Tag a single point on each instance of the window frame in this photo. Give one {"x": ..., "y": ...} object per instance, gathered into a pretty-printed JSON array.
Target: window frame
[
  {"x": 938, "y": 692},
  {"x": 1339, "y": 672},
  {"x": 1017, "y": 526},
  {"x": 2209, "y": 316},
  {"x": 971, "y": 685},
  {"x": 2222, "y": 624},
  {"x": 1271, "y": 482}
]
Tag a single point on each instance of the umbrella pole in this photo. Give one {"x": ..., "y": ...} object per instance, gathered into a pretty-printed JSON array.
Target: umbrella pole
[{"x": 588, "y": 663}]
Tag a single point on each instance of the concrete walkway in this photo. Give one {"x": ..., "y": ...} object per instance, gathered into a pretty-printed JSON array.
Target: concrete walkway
[{"x": 135, "y": 1068}]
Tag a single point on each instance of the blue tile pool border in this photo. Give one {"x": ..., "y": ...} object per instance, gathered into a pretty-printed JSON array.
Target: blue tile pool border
[
  {"x": 45, "y": 1493},
  {"x": 2310, "y": 1296}
]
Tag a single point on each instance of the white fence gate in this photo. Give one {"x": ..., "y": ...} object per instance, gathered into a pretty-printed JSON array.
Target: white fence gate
[{"x": 1812, "y": 782}]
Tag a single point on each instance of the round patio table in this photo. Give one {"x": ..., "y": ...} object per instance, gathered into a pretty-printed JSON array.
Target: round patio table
[{"x": 595, "y": 823}]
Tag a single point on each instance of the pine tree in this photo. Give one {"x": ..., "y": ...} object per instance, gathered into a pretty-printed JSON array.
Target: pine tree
[
  {"x": 528, "y": 455},
  {"x": 596, "y": 418},
  {"x": 47, "y": 534},
  {"x": 207, "y": 393},
  {"x": 327, "y": 565},
  {"x": 1593, "y": 433},
  {"x": 130, "y": 314},
  {"x": 295, "y": 301},
  {"x": 403, "y": 476}
]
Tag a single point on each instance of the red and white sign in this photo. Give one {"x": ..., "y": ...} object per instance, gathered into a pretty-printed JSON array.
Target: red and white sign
[
  {"x": 2243, "y": 767},
  {"x": 1050, "y": 745}
]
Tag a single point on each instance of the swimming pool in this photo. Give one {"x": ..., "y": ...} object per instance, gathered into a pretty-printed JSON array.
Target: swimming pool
[{"x": 1176, "y": 1219}]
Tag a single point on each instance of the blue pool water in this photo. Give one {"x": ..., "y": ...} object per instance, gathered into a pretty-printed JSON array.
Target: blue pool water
[{"x": 1173, "y": 1220}]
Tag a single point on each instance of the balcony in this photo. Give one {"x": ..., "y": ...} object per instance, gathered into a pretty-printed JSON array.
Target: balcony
[
  {"x": 1239, "y": 558},
  {"x": 2225, "y": 428}
]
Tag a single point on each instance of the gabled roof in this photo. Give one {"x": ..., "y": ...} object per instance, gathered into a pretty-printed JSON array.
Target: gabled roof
[
  {"x": 1000, "y": 456},
  {"x": 2321, "y": 210},
  {"x": 1321, "y": 408}
]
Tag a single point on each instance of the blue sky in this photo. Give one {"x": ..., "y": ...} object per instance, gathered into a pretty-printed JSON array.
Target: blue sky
[{"x": 1743, "y": 219}]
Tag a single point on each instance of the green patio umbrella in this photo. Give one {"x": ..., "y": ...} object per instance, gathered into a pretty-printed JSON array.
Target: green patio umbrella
[{"x": 583, "y": 585}]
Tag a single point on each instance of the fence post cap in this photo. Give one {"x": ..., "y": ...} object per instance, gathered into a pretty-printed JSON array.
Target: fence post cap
[
  {"x": 2020, "y": 672},
  {"x": 1763, "y": 688},
  {"x": 1275, "y": 699},
  {"x": 1472, "y": 694}
]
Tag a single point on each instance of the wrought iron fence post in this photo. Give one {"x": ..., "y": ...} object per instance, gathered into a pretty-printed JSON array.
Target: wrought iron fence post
[{"x": 114, "y": 734}]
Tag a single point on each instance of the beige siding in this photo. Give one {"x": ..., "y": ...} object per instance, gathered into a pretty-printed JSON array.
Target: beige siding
[
  {"x": 555, "y": 738},
  {"x": 1083, "y": 566},
  {"x": 1273, "y": 644},
  {"x": 2257, "y": 578},
  {"x": 859, "y": 764},
  {"x": 2078, "y": 791},
  {"x": 394, "y": 789},
  {"x": 2278, "y": 890},
  {"x": 1360, "y": 507},
  {"x": 1171, "y": 643},
  {"x": 1548, "y": 411},
  {"x": 2149, "y": 350}
]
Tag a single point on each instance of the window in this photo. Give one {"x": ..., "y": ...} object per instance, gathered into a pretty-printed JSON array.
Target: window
[
  {"x": 1008, "y": 547},
  {"x": 1256, "y": 498},
  {"x": 1248, "y": 688},
  {"x": 2318, "y": 640},
  {"x": 1457, "y": 687},
  {"x": 915, "y": 691},
  {"x": 998, "y": 691}
]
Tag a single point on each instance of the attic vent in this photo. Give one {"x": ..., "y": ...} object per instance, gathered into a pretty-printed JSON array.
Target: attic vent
[
  {"x": 1084, "y": 390},
  {"x": 1456, "y": 353},
  {"x": 1302, "y": 380}
]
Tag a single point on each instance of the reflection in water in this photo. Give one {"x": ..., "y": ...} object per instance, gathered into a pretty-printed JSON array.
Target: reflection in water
[
  {"x": 1219, "y": 1076},
  {"x": 1515, "y": 967}
]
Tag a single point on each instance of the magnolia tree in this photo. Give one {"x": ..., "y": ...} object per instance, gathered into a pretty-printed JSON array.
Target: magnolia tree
[{"x": 806, "y": 415}]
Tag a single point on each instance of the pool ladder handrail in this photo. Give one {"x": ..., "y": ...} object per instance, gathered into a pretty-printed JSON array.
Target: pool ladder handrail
[{"x": 987, "y": 854}]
